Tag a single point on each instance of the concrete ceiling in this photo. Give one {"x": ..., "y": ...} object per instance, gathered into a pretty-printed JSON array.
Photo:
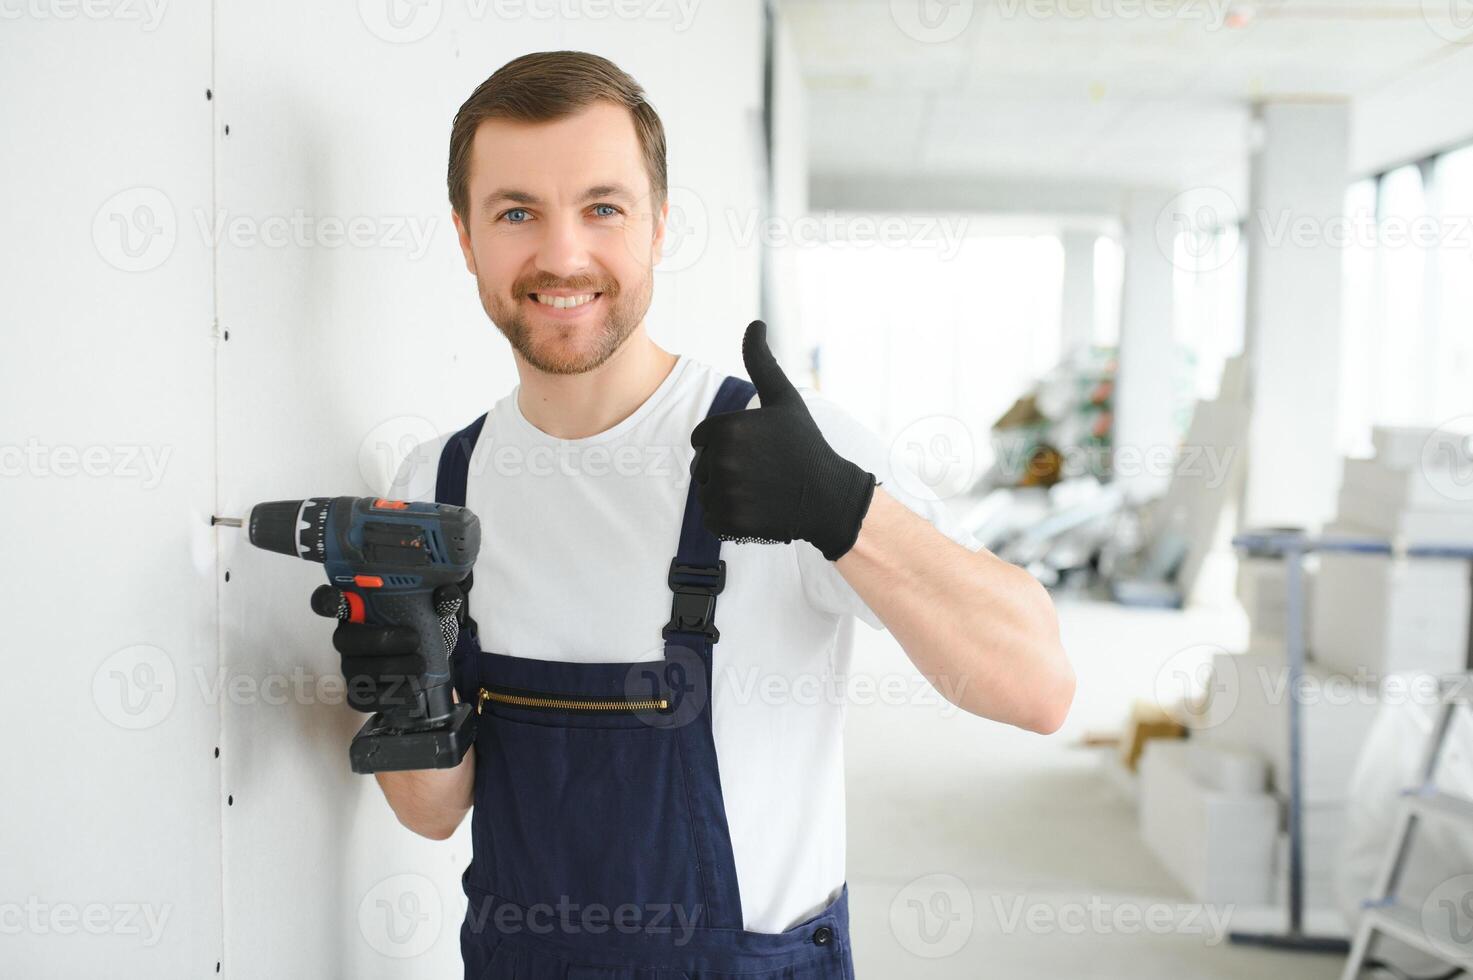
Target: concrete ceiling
[{"x": 1130, "y": 92}]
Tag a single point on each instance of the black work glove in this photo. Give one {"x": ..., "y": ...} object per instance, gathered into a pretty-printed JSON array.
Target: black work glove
[
  {"x": 383, "y": 664},
  {"x": 767, "y": 474}
]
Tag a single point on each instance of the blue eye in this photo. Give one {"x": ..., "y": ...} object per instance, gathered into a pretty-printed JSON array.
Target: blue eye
[
  {"x": 612, "y": 210},
  {"x": 515, "y": 211}
]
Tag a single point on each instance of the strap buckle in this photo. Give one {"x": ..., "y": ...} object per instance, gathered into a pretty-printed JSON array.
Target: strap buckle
[{"x": 693, "y": 610}]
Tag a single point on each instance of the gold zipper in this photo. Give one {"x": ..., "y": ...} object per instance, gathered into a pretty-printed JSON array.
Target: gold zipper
[{"x": 568, "y": 704}]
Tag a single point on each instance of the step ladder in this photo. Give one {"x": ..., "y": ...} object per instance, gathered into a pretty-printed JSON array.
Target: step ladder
[{"x": 1384, "y": 915}]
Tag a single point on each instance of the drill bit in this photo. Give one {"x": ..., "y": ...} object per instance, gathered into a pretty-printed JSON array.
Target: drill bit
[{"x": 225, "y": 521}]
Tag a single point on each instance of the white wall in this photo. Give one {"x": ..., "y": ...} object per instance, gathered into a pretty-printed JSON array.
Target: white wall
[
  {"x": 112, "y": 805},
  {"x": 275, "y": 859}
]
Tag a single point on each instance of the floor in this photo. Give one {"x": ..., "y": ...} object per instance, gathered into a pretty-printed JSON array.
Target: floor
[{"x": 980, "y": 850}]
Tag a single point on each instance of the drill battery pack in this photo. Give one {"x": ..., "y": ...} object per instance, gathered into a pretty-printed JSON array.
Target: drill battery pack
[{"x": 380, "y": 748}]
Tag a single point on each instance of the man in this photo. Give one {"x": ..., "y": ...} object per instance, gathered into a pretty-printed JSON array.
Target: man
[{"x": 652, "y": 791}]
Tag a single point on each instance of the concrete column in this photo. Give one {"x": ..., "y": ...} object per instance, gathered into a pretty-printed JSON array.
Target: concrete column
[
  {"x": 1077, "y": 312},
  {"x": 1145, "y": 392},
  {"x": 1292, "y": 343}
]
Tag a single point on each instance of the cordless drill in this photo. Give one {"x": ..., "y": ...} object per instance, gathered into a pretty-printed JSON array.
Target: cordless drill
[{"x": 385, "y": 559}]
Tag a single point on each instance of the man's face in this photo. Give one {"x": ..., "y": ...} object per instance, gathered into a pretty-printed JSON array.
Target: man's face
[{"x": 562, "y": 209}]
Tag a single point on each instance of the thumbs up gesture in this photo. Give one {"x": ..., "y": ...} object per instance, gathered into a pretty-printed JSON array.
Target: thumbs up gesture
[{"x": 767, "y": 474}]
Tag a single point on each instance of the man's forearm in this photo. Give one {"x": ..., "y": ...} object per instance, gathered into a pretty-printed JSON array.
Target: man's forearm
[
  {"x": 983, "y": 631},
  {"x": 431, "y": 802}
]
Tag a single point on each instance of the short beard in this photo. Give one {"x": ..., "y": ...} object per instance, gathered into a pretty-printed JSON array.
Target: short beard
[{"x": 542, "y": 346}]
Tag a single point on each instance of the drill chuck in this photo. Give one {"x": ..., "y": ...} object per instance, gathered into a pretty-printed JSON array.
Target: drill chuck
[{"x": 293, "y": 527}]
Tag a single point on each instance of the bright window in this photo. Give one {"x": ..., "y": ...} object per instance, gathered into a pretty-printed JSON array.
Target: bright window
[
  {"x": 1357, "y": 311},
  {"x": 905, "y": 333},
  {"x": 1453, "y": 297},
  {"x": 1208, "y": 289},
  {"x": 1109, "y": 282},
  {"x": 1407, "y": 343}
]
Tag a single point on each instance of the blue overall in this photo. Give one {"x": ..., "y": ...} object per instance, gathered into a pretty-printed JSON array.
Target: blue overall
[{"x": 600, "y": 843}]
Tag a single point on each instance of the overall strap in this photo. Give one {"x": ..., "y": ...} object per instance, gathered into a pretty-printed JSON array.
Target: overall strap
[
  {"x": 455, "y": 461},
  {"x": 697, "y": 573},
  {"x": 450, "y": 480},
  {"x": 697, "y": 576}
]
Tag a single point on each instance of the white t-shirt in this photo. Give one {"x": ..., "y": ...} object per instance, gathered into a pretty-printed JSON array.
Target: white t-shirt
[{"x": 576, "y": 541}]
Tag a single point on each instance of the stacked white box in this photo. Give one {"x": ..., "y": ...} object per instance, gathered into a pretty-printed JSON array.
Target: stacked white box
[
  {"x": 1227, "y": 769},
  {"x": 1425, "y": 504},
  {"x": 1218, "y": 845},
  {"x": 1249, "y": 711},
  {"x": 1383, "y": 615},
  {"x": 1400, "y": 447},
  {"x": 1263, "y": 589},
  {"x": 1363, "y": 509}
]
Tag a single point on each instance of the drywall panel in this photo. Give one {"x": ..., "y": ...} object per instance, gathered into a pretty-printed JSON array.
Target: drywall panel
[
  {"x": 344, "y": 354},
  {"x": 109, "y": 832}
]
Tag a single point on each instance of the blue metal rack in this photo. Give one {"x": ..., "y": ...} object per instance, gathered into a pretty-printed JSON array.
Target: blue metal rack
[{"x": 1292, "y": 546}]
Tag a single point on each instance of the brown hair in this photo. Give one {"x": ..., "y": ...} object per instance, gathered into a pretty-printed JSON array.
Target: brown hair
[{"x": 548, "y": 85}]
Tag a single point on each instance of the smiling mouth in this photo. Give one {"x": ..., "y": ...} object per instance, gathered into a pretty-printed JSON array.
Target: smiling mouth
[{"x": 564, "y": 302}]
